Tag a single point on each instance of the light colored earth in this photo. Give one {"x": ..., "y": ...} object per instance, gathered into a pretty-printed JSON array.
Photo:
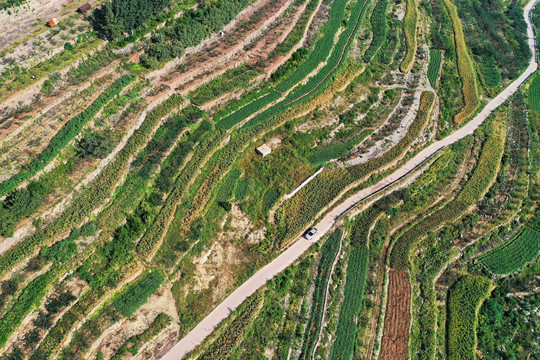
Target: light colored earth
[
  {"x": 196, "y": 336},
  {"x": 33, "y": 15}
]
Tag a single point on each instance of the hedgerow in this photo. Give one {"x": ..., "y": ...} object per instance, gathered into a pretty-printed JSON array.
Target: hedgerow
[
  {"x": 138, "y": 292},
  {"x": 296, "y": 212},
  {"x": 345, "y": 338},
  {"x": 329, "y": 251},
  {"x": 512, "y": 256},
  {"x": 379, "y": 26},
  {"x": 409, "y": 27},
  {"x": 99, "y": 189},
  {"x": 71, "y": 129},
  {"x": 464, "y": 301},
  {"x": 465, "y": 67},
  {"x": 474, "y": 189}
]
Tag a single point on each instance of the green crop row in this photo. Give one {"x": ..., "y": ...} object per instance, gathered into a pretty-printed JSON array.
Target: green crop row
[
  {"x": 297, "y": 33},
  {"x": 155, "y": 232},
  {"x": 296, "y": 212},
  {"x": 28, "y": 300},
  {"x": 465, "y": 67},
  {"x": 329, "y": 251},
  {"x": 133, "y": 344},
  {"x": 345, "y": 339},
  {"x": 99, "y": 189},
  {"x": 512, "y": 256},
  {"x": 534, "y": 93},
  {"x": 67, "y": 133},
  {"x": 138, "y": 292},
  {"x": 474, "y": 189},
  {"x": 379, "y": 26},
  {"x": 239, "y": 115},
  {"x": 409, "y": 27},
  {"x": 322, "y": 155},
  {"x": 233, "y": 79},
  {"x": 435, "y": 59},
  {"x": 322, "y": 49},
  {"x": 464, "y": 301}
]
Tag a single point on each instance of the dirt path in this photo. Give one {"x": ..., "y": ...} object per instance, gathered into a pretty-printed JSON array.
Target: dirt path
[{"x": 289, "y": 256}]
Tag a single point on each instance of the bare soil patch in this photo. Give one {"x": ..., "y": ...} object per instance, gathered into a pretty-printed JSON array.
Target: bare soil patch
[{"x": 395, "y": 341}]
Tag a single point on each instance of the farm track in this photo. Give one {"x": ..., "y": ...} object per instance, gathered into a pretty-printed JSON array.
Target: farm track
[
  {"x": 289, "y": 256},
  {"x": 395, "y": 341}
]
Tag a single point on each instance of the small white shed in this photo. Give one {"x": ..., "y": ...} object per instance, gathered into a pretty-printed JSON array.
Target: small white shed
[{"x": 263, "y": 150}]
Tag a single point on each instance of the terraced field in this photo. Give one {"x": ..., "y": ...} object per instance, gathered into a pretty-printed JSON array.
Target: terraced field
[{"x": 161, "y": 161}]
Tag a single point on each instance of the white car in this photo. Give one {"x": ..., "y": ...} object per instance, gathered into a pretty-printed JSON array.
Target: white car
[{"x": 310, "y": 233}]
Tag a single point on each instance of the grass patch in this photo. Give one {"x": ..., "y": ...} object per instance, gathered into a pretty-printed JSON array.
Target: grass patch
[{"x": 512, "y": 256}]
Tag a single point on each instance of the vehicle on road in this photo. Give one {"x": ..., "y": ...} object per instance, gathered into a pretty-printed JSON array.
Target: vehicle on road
[{"x": 310, "y": 233}]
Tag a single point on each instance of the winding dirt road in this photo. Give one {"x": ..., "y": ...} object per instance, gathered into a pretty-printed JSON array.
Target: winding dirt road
[{"x": 196, "y": 336}]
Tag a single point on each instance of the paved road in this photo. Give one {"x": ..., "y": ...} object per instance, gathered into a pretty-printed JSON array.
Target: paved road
[{"x": 289, "y": 256}]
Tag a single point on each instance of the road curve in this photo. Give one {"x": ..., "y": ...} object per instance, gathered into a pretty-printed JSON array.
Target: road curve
[{"x": 289, "y": 256}]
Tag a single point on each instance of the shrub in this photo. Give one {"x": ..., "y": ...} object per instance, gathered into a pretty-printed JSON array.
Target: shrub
[{"x": 138, "y": 292}]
